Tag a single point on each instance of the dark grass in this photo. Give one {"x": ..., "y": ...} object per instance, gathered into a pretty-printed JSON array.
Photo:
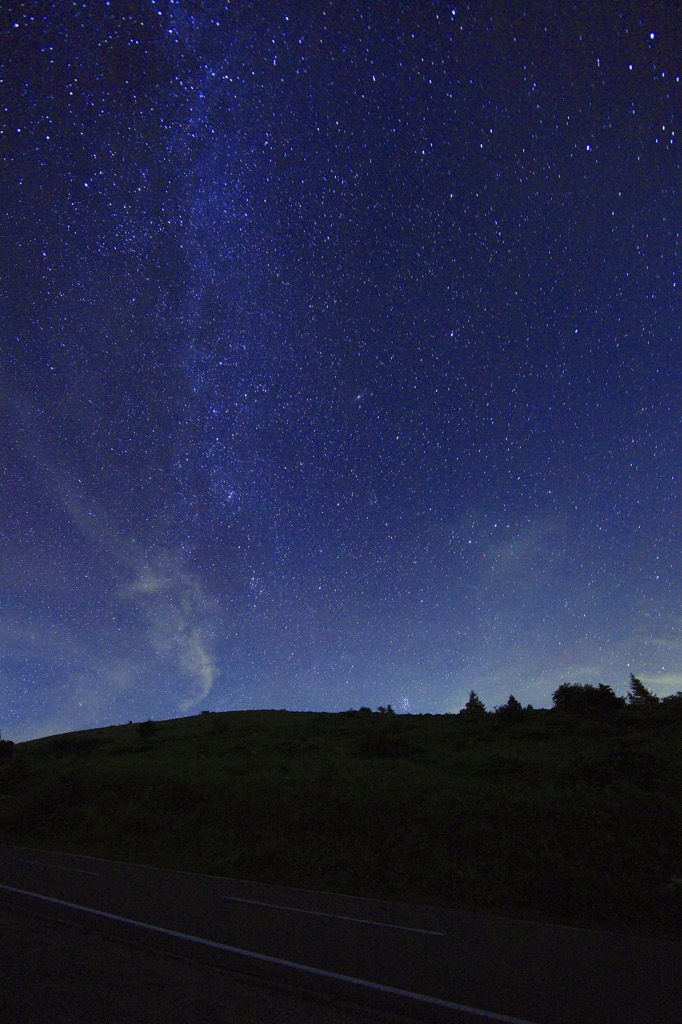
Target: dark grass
[{"x": 551, "y": 817}]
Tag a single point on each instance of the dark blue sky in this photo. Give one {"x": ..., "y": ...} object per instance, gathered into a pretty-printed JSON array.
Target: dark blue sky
[{"x": 339, "y": 355}]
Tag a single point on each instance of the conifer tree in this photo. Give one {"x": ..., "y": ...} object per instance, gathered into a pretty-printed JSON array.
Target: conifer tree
[
  {"x": 638, "y": 693},
  {"x": 513, "y": 709},
  {"x": 474, "y": 706}
]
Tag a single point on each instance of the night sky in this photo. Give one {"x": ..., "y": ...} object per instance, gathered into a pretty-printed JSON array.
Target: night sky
[{"x": 340, "y": 355}]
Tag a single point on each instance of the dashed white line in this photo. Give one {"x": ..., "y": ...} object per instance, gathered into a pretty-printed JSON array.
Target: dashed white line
[
  {"x": 337, "y": 917},
  {"x": 263, "y": 957}
]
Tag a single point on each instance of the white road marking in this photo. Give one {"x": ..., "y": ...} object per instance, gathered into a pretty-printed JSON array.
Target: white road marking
[
  {"x": 338, "y": 917},
  {"x": 62, "y": 867},
  {"x": 376, "y": 986}
]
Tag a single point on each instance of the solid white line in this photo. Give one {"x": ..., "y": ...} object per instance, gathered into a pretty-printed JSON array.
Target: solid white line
[
  {"x": 62, "y": 867},
  {"x": 433, "y": 1000},
  {"x": 337, "y": 917}
]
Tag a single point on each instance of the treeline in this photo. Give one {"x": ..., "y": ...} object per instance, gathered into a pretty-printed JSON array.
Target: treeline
[{"x": 580, "y": 699}]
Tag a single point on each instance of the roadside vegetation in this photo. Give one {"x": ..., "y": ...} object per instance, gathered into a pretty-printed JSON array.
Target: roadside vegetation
[{"x": 572, "y": 814}]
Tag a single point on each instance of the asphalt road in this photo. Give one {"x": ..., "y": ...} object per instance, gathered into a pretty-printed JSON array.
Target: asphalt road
[{"x": 424, "y": 962}]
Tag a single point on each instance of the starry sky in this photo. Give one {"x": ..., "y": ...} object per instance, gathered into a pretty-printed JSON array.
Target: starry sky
[{"x": 340, "y": 355}]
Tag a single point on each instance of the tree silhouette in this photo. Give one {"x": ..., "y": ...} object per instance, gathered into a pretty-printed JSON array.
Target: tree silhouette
[
  {"x": 584, "y": 699},
  {"x": 638, "y": 693},
  {"x": 512, "y": 710},
  {"x": 474, "y": 707}
]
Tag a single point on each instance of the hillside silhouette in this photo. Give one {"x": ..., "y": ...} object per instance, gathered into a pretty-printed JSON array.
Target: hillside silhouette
[{"x": 571, "y": 814}]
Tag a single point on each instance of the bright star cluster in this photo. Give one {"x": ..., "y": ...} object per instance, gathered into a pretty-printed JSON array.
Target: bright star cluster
[{"x": 339, "y": 355}]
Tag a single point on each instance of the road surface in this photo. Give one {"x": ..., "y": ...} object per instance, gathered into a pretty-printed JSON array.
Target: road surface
[{"x": 426, "y": 963}]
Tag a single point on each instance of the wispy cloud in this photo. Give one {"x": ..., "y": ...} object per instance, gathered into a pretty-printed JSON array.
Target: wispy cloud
[
  {"x": 531, "y": 548},
  {"x": 663, "y": 683},
  {"x": 674, "y": 646},
  {"x": 172, "y": 612},
  {"x": 179, "y": 619}
]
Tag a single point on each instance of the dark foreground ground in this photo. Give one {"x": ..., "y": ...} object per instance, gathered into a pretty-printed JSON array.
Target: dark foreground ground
[
  {"x": 549, "y": 816},
  {"x": 54, "y": 973}
]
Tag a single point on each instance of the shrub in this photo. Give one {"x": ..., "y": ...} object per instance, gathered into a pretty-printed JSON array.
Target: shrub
[
  {"x": 6, "y": 748},
  {"x": 384, "y": 744},
  {"x": 148, "y": 728}
]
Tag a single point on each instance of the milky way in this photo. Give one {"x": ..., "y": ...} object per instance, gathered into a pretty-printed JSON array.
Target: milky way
[{"x": 339, "y": 356}]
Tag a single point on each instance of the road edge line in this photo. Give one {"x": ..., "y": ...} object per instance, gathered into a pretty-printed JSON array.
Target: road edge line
[{"x": 266, "y": 958}]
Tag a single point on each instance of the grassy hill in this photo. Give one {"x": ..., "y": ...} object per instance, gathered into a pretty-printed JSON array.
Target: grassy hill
[{"x": 551, "y": 816}]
